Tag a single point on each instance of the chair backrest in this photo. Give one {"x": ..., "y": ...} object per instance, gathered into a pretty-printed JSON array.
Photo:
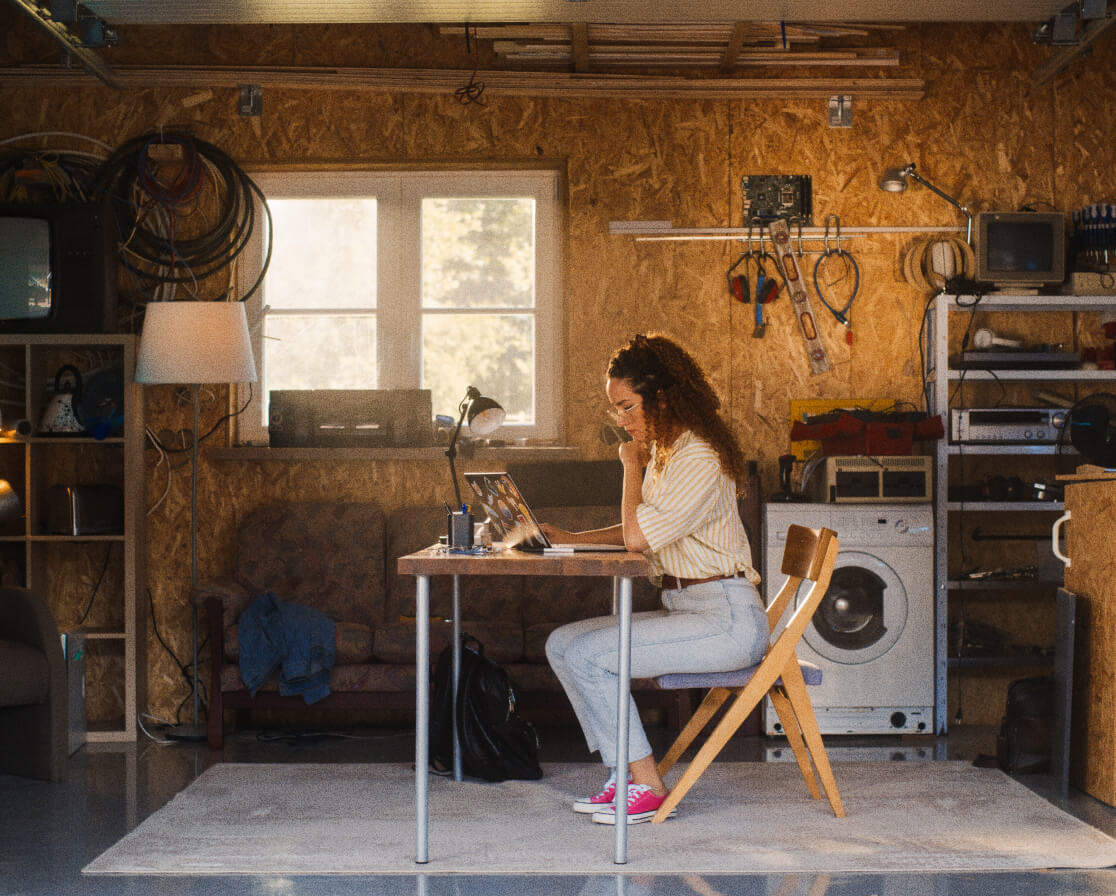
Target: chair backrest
[{"x": 809, "y": 556}]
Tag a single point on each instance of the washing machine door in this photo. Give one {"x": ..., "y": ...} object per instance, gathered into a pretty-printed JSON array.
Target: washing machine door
[{"x": 863, "y": 612}]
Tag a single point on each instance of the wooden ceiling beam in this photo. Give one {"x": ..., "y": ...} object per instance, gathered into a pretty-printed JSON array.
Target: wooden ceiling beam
[
  {"x": 579, "y": 46},
  {"x": 448, "y": 81},
  {"x": 736, "y": 41},
  {"x": 60, "y": 34},
  {"x": 1061, "y": 60}
]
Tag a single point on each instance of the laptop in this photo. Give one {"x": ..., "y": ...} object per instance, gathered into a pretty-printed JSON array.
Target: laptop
[{"x": 513, "y": 521}]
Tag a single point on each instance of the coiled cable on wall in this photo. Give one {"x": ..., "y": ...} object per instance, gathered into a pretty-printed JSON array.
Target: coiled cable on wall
[
  {"x": 183, "y": 210},
  {"x": 930, "y": 262}
]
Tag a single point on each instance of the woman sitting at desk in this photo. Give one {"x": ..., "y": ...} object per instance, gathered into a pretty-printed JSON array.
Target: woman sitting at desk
[{"x": 682, "y": 514}]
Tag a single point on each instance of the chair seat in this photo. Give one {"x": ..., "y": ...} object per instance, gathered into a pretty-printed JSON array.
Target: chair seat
[{"x": 735, "y": 678}]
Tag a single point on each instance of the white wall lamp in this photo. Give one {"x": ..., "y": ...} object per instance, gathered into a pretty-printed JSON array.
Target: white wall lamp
[{"x": 894, "y": 180}]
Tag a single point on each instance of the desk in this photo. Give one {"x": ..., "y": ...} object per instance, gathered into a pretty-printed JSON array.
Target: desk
[{"x": 622, "y": 567}]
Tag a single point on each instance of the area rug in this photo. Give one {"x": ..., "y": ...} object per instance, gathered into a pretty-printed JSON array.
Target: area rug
[{"x": 739, "y": 818}]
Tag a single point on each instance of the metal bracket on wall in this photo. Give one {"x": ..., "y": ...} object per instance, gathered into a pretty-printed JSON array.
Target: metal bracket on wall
[
  {"x": 840, "y": 111},
  {"x": 250, "y": 103}
]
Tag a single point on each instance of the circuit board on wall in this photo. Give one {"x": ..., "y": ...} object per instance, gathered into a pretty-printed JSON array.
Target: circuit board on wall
[{"x": 769, "y": 196}]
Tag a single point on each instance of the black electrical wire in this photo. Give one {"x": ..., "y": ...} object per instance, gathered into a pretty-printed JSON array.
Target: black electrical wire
[{"x": 141, "y": 199}]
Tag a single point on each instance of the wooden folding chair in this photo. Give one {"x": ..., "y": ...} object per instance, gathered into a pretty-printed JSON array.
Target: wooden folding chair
[{"x": 809, "y": 555}]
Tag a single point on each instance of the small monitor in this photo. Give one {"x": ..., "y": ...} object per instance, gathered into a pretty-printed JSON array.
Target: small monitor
[
  {"x": 1021, "y": 249},
  {"x": 25, "y": 269}
]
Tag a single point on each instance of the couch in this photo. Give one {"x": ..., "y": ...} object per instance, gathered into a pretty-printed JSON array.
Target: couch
[
  {"x": 340, "y": 558},
  {"x": 33, "y": 698}
]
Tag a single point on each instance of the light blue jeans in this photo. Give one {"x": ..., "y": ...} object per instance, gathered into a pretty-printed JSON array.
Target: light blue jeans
[{"x": 712, "y": 627}]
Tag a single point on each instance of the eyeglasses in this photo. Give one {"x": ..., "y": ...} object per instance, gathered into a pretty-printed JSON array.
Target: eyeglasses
[{"x": 618, "y": 414}]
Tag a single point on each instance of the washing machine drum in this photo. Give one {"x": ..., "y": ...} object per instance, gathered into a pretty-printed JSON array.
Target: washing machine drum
[{"x": 863, "y": 611}]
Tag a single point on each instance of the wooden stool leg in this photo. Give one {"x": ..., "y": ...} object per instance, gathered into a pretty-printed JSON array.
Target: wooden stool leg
[
  {"x": 794, "y": 739},
  {"x": 795, "y": 688},
  {"x": 694, "y": 727}
]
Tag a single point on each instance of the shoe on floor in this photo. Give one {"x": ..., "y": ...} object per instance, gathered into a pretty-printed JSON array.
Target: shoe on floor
[
  {"x": 585, "y": 805},
  {"x": 642, "y": 806}
]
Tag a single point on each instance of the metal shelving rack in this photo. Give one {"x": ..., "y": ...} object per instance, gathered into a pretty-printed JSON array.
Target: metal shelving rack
[{"x": 943, "y": 379}]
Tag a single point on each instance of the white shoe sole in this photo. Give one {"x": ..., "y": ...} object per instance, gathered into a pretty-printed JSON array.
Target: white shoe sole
[
  {"x": 610, "y": 817},
  {"x": 589, "y": 808}
]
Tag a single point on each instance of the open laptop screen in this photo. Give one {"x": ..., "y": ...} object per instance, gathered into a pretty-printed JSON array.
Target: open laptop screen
[{"x": 512, "y": 519}]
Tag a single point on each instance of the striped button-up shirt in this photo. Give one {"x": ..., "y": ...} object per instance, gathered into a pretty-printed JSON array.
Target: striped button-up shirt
[{"x": 689, "y": 516}]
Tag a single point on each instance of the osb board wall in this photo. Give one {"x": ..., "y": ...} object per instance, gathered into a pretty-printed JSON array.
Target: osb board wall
[
  {"x": 982, "y": 133},
  {"x": 1091, "y": 574}
]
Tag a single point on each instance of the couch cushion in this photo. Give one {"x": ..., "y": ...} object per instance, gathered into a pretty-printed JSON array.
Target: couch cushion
[
  {"x": 502, "y": 641},
  {"x": 352, "y": 643},
  {"x": 366, "y": 677},
  {"x": 26, "y": 677},
  {"x": 326, "y": 554}
]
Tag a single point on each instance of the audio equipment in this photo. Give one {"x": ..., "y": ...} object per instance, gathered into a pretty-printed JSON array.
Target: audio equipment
[
  {"x": 865, "y": 479},
  {"x": 986, "y": 338},
  {"x": 1026, "y": 426},
  {"x": 350, "y": 418}
]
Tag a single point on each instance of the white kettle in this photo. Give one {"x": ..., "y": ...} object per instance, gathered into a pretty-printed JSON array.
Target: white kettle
[{"x": 60, "y": 417}]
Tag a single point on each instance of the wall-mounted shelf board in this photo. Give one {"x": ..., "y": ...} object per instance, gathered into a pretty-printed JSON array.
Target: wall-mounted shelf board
[{"x": 656, "y": 231}]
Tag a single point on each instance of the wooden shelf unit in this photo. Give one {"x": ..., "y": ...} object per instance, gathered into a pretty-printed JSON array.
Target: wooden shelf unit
[{"x": 91, "y": 582}]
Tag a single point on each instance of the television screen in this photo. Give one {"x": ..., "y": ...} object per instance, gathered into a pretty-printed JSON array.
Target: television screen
[
  {"x": 25, "y": 269},
  {"x": 1020, "y": 248}
]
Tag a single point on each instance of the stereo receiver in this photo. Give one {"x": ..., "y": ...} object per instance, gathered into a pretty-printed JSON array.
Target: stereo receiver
[
  {"x": 1027, "y": 426},
  {"x": 350, "y": 418},
  {"x": 864, "y": 479}
]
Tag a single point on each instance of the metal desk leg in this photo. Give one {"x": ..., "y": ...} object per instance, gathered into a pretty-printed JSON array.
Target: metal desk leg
[
  {"x": 422, "y": 716},
  {"x": 620, "y": 856},
  {"x": 458, "y": 771}
]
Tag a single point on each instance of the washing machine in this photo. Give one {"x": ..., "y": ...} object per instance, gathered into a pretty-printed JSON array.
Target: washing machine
[{"x": 873, "y": 633}]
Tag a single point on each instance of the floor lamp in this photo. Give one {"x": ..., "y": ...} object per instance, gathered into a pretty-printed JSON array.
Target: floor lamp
[{"x": 191, "y": 343}]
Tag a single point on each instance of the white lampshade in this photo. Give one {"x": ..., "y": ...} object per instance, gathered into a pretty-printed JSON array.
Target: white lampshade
[{"x": 195, "y": 342}]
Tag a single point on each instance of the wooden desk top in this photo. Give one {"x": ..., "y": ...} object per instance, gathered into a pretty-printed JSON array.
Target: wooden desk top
[{"x": 433, "y": 561}]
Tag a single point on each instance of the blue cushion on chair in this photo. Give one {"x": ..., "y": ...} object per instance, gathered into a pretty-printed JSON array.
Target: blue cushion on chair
[{"x": 736, "y": 678}]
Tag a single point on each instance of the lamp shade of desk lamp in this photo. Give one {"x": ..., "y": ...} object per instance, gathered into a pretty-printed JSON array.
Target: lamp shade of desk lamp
[
  {"x": 191, "y": 343},
  {"x": 894, "y": 180}
]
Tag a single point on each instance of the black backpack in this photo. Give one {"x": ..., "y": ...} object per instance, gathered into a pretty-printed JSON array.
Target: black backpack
[{"x": 496, "y": 743}]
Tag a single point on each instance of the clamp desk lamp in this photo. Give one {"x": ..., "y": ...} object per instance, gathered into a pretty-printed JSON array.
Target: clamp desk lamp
[
  {"x": 191, "y": 343},
  {"x": 483, "y": 416},
  {"x": 894, "y": 180}
]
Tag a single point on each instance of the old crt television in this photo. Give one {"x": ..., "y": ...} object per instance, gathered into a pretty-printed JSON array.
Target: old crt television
[
  {"x": 57, "y": 268},
  {"x": 1021, "y": 249}
]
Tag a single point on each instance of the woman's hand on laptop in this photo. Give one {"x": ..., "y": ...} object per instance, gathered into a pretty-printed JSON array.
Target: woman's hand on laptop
[{"x": 557, "y": 535}]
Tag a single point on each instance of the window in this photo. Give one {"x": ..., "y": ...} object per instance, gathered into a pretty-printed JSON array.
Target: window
[{"x": 403, "y": 280}]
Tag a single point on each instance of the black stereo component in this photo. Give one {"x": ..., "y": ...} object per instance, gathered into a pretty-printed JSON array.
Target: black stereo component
[{"x": 349, "y": 418}]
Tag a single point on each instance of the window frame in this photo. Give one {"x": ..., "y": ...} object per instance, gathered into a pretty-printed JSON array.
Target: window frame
[{"x": 399, "y": 193}]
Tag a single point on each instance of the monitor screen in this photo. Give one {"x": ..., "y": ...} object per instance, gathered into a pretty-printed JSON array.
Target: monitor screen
[
  {"x": 1020, "y": 246},
  {"x": 25, "y": 269}
]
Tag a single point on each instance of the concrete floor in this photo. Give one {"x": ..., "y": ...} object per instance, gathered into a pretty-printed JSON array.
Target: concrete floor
[{"x": 49, "y": 831}]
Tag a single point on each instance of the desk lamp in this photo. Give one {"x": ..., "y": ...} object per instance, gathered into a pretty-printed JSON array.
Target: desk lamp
[
  {"x": 894, "y": 180},
  {"x": 484, "y": 416},
  {"x": 191, "y": 343}
]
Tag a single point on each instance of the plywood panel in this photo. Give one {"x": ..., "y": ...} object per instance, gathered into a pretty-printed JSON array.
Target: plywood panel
[{"x": 982, "y": 134}]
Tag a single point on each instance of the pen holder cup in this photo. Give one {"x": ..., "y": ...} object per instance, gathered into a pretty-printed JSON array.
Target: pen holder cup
[{"x": 460, "y": 530}]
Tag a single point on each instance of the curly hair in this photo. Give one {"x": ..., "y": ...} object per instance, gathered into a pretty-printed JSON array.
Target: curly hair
[{"x": 677, "y": 396}]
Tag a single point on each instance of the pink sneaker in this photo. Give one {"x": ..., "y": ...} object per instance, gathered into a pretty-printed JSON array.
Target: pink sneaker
[
  {"x": 587, "y": 804},
  {"x": 642, "y": 806}
]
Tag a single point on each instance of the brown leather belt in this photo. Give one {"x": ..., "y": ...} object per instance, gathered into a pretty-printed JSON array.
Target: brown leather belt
[{"x": 674, "y": 583}]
